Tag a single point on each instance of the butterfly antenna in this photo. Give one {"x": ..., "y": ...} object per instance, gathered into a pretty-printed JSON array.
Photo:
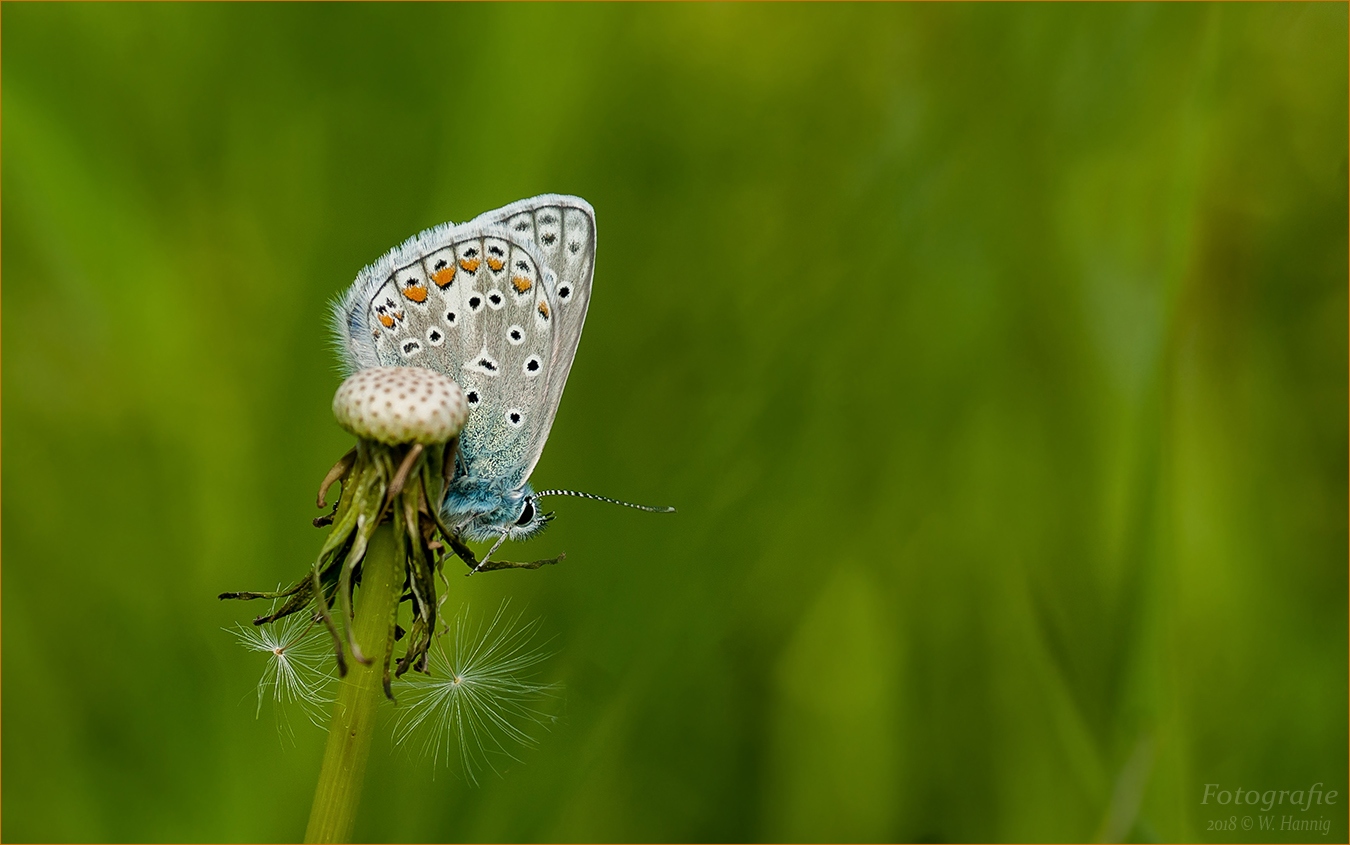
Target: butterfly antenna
[{"x": 594, "y": 497}]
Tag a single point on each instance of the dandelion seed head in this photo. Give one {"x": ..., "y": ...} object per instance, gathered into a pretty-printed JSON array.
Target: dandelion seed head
[
  {"x": 297, "y": 673},
  {"x": 482, "y": 696}
]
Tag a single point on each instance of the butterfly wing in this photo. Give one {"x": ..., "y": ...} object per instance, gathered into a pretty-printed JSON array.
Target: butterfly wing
[
  {"x": 481, "y": 303},
  {"x": 563, "y": 229},
  {"x": 468, "y": 301}
]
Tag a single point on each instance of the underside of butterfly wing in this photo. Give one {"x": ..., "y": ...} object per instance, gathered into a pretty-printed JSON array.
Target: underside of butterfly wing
[{"x": 497, "y": 304}]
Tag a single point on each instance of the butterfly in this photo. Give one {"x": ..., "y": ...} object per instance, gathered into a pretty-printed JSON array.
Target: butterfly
[{"x": 497, "y": 304}]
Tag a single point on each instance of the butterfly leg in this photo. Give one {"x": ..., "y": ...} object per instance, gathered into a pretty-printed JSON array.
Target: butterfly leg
[
  {"x": 462, "y": 551},
  {"x": 491, "y": 551},
  {"x": 466, "y": 554},
  {"x": 460, "y": 460},
  {"x": 451, "y": 465}
]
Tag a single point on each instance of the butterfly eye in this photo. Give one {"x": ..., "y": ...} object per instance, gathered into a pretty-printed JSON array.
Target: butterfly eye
[{"x": 526, "y": 515}]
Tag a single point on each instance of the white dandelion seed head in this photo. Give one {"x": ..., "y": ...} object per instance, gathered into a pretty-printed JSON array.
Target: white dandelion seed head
[
  {"x": 298, "y": 670},
  {"x": 482, "y": 698}
]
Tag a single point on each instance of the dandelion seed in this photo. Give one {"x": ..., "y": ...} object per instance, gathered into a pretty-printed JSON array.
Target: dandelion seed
[
  {"x": 481, "y": 698},
  {"x": 297, "y": 671}
]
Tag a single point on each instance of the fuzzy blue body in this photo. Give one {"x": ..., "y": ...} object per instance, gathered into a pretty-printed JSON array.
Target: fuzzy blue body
[{"x": 482, "y": 509}]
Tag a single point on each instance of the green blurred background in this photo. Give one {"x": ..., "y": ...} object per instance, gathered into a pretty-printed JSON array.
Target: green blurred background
[{"x": 994, "y": 355}]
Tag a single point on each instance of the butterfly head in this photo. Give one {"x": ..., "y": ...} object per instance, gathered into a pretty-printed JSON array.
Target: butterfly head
[{"x": 531, "y": 519}]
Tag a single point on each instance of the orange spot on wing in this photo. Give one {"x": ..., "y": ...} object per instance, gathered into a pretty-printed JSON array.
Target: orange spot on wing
[
  {"x": 470, "y": 265},
  {"x": 398, "y": 315},
  {"x": 521, "y": 284},
  {"x": 543, "y": 309},
  {"x": 386, "y": 321},
  {"x": 495, "y": 264},
  {"x": 417, "y": 293},
  {"x": 443, "y": 276}
]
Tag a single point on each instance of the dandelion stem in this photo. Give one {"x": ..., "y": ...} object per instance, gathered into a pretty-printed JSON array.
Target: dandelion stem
[{"x": 359, "y": 693}]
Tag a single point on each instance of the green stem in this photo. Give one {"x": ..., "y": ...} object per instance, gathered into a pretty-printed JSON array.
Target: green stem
[{"x": 359, "y": 693}]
